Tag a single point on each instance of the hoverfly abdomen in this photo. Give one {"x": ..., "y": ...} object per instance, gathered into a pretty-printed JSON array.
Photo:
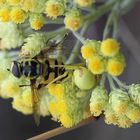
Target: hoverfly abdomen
[{"x": 52, "y": 70}]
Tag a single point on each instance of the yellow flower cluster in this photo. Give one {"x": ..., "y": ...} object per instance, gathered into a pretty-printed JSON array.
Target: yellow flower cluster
[
  {"x": 117, "y": 107},
  {"x": 103, "y": 57},
  {"x": 121, "y": 110},
  {"x": 67, "y": 108},
  {"x": 18, "y": 11}
]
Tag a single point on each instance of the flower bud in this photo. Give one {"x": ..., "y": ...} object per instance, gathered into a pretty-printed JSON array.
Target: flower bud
[
  {"x": 36, "y": 21},
  {"x": 134, "y": 91},
  {"x": 84, "y": 79},
  {"x": 119, "y": 101},
  {"x": 33, "y": 45},
  {"x": 98, "y": 100},
  {"x": 97, "y": 64},
  {"x": 73, "y": 20},
  {"x": 133, "y": 113},
  {"x": 124, "y": 122},
  {"x": 17, "y": 15},
  {"x": 116, "y": 65},
  {"x": 55, "y": 8},
  {"x": 109, "y": 47},
  {"x": 110, "y": 116},
  {"x": 89, "y": 49},
  {"x": 4, "y": 14}
]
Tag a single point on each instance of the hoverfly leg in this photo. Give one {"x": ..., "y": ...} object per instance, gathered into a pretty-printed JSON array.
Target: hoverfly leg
[
  {"x": 59, "y": 78},
  {"x": 24, "y": 85}
]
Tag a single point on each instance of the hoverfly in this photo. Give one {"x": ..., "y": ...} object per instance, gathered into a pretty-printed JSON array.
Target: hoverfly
[{"x": 40, "y": 70}]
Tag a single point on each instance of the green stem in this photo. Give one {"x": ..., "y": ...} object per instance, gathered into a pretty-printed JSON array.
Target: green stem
[
  {"x": 116, "y": 20},
  {"x": 56, "y": 21},
  {"x": 115, "y": 27},
  {"x": 111, "y": 83},
  {"x": 108, "y": 25},
  {"x": 76, "y": 48},
  {"x": 100, "y": 11},
  {"x": 60, "y": 31},
  {"x": 79, "y": 37},
  {"x": 103, "y": 79},
  {"x": 120, "y": 83}
]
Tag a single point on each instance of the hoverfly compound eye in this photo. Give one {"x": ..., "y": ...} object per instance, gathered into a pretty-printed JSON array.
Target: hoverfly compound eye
[{"x": 16, "y": 69}]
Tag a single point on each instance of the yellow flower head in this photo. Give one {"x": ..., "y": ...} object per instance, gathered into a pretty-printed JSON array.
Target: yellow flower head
[
  {"x": 66, "y": 120},
  {"x": 37, "y": 24},
  {"x": 18, "y": 15},
  {"x": 133, "y": 113},
  {"x": 57, "y": 90},
  {"x": 124, "y": 122},
  {"x": 110, "y": 117},
  {"x": 13, "y": 2},
  {"x": 109, "y": 47},
  {"x": 98, "y": 100},
  {"x": 89, "y": 49},
  {"x": 20, "y": 106},
  {"x": 27, "y": 98},
  {"x": 96, "y": 108},
  {"x": 27, "y": 5},
  {"x": 57, "y": 108},
  {"x": 73, "y": 20},
  {"x": 84, "y": 3},
  {"x": 119, "y": 100},
  {"x": 62, "y": 106},
  {"x": 120, "y": 107},
  {"x": 53, "y": 109},
  {"x": 2, "y": 1},
  {"x": 36, "y": 21},
  {"x": 96, "y": 65},
  {"x": 4, "y": 14},
  {"x": 54, "y": 8},
  {"x": 9, "y": 88},
  {"x": 116, "y": 65}
]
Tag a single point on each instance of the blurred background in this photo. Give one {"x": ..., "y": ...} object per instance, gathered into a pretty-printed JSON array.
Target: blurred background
[{"x": 15, "y": 126}]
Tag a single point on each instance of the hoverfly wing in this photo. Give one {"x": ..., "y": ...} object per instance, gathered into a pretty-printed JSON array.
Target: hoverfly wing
[{"x": 36, "y": 101}]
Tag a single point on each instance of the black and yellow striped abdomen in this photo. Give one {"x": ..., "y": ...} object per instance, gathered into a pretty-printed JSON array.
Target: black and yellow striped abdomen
[{"x": 51, "y": 70}]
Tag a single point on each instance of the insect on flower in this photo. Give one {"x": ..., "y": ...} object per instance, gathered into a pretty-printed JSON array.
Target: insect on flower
[{"x": 40, "y": 70}]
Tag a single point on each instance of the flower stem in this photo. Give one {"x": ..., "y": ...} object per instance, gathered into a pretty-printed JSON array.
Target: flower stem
[
  {"x": 79, "y": 37},
  {"x": 103, "y": 79},
  {"x": 111, "y": 83},
  {"x": 108, "y": 25},
  {"x": 100, "y": 11},
  {"x": 76, "y": 48},
  {"x": 56, "y": 21},
  {"x": 120, "y": 83}
]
